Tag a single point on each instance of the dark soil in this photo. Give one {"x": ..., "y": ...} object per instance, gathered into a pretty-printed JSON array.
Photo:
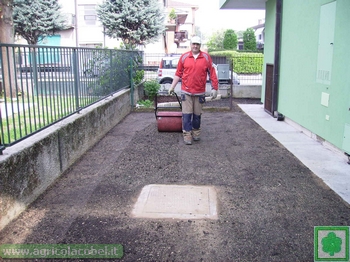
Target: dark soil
[{"x": 268, "y": 201}]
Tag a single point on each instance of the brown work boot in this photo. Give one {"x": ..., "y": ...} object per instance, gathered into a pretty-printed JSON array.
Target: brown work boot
[
  {"x": 187, "y": 138},
  {"x": 196, "y": 134}
]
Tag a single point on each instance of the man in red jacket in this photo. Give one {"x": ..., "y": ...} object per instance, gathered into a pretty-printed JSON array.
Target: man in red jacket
[{"x": 193, "y": 68}]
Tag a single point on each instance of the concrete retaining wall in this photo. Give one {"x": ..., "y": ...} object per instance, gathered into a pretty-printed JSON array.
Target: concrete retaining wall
[
  {"x": 29, "y": 167},
  {"x": 247, "y": 91},
  {"x": 241, "y": 91}
]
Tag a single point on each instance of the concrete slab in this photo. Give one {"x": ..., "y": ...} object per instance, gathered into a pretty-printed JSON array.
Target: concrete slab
[
  {"x": 177, "y": 202},
  {"x": 328, "y": 164}
]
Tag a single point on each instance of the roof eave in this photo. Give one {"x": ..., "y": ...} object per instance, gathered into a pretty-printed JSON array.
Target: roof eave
[{"x": 242, "y": 4}]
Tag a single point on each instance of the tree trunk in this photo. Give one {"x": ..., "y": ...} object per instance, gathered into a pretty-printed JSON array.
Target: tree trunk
[
  {"x": 165, "y": 43},
  {"x": 7, "y": 37}
]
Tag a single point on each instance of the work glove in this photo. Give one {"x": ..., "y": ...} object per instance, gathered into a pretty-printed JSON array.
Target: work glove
[
  {"x": 171, "y": 90},
  {"x": 214, "y": 93}
]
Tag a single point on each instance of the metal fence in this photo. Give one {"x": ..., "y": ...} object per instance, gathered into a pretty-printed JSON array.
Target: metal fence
[
  {"x": 41, "y": 85},
  {"x": 151, "y": 63}
]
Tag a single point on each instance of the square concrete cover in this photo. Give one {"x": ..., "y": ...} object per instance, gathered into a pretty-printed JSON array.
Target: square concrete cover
[{"x": 176, "y": 201}]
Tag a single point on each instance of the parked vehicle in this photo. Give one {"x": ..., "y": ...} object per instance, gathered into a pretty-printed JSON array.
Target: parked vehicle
[{"x": 167, "y": 69}]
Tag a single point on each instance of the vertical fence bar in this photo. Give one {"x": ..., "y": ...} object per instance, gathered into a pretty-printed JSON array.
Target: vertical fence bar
[
  {"x": 21, "y": 90},
  {"x": 52, "y": 85},
  {"x": 34, "y": 86},
  {"x": 61, "y": 80},
  {"x": 131, "y": 85},
  {"x": 10, "y": 83},
  {"x": 18, "y": 95},
  {"x": 44, "y": 82},
  {"x": 57, "y": 80},
  {"x": 76, "y": 79},
  {"x": 231, "y": 85},
  {"x": 110, "y": 69},
  {"x": 26, "y": 95},
  {"x": 68, "y": 78},
  {"x": 2, "y": 146},
  {"x": 39, "y": 88},
  {"x": 2, "y": 136}
]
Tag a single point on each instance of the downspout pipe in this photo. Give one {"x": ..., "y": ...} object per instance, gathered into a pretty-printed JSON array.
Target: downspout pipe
[
  {"x": 276, "y": 68},
  {"x": 76, "y": 23}
]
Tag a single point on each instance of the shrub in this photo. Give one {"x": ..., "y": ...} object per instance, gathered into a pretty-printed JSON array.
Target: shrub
[
  {"x": 243, "y": 62},
  {"x": 139, "y": 74},
  {"x": 151, "y": 88},
  {"x": 146, "y": 103}
]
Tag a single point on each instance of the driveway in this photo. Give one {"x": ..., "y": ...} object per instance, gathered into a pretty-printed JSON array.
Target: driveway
[{"x": 268, "y": 202}]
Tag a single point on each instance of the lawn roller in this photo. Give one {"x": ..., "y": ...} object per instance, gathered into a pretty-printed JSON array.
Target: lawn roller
[{"x": 168, "y": 116}]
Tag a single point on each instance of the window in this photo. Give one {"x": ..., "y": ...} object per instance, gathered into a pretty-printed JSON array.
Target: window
[{"x": 88, "y": 14}]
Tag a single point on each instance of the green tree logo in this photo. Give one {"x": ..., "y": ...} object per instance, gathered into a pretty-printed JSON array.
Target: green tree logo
[{"x": 331, "y": 244}]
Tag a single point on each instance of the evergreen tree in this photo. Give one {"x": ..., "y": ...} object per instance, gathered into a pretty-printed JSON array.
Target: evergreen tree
[
  {"x": 249, "y": 40},
  {"x": 230, "y": 40},
  {"x": 36, "y": 19},
  {"x": 135, "y": 22}
]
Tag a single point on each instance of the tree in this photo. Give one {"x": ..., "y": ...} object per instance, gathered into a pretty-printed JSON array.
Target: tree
[
  {"x": 7, "y": 37},
  {"x": 136, "y": 22},
  {"x": 249, "y": 40},
  {"x": 6, "y": 21},
  {"x": 216, "y": 41},
  {"x": 230, "y": 40},
  {"x": 36, "y": 19}
]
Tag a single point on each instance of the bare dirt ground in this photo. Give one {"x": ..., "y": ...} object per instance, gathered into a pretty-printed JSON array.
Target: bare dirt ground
[{"x": 268, "y": 201}]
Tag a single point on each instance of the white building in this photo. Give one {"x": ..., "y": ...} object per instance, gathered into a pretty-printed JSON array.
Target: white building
[{"x": 85, "y": 30}]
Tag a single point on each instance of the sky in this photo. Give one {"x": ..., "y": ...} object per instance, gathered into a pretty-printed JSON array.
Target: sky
[{"x": 210, "y": 18}]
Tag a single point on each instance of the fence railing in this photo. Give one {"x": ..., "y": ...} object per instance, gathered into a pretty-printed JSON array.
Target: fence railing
[
  {"x": 41, "y": 85},
  {"x": 151, "y": 63}
]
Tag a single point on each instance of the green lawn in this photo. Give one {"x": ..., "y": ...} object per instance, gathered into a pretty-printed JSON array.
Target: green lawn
[{"x": 29, "y": 114}]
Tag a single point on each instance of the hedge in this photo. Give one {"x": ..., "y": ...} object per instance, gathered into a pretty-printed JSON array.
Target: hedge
[{"x": 243, "y": 62}]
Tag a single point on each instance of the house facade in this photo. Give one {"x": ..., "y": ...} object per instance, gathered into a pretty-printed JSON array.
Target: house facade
[
  {"x": 182, "y": 28},
  {"x": 306, "y": 65},
  {"x": 259, "y": 32},
  {"x": 85, "y": 29}
]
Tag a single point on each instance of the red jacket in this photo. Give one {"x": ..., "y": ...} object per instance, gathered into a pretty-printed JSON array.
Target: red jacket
[{"x": 193, "y": 73}]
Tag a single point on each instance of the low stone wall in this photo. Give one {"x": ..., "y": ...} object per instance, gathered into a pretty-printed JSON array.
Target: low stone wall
[{"x": 28, "y": 168}]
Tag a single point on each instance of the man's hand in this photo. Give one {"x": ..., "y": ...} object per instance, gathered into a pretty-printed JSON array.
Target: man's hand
[
  {"x": 171, "y": 90},
  {"x": 214, "y": 93}
]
